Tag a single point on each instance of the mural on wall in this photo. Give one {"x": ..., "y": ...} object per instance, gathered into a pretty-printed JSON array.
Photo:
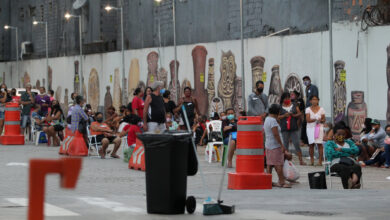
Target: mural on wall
[
  {"x": 50, "y": 75},
  {"x": 107, "y": 100},
  {"x": 185, "y": 83},
  {"x": 152, "y": 60},
  {"x": 26, "y": 79},
  {"x": 210, "y": 84},
  {"x": 339, "y": 93},
  {"x": 356, "y": 113},
  {"x": 117, "y": 99},
  {"x": 38, "y": 84},
  {"x": 174, "y": 81},
  {"x": 388, "y": 85},
  {"x": 133, "y": 78},
  {"x": 199, "y": 54},
  {"x": 93, "y": 90},
  {"x": 228, "y": 77},
  {"x": 257, "y": 65},
  {"x": 76, "y": 79},
  {"x": 162, "y": 75},
  {"x": 216, "y": 105},
  {"x": 238, "y": 95},
  {"x": 275, "y": 89},
  {"x": 293, "y": 83}
]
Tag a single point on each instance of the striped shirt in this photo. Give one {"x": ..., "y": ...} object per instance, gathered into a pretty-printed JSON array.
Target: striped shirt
[{"x": 77, "y": 115}]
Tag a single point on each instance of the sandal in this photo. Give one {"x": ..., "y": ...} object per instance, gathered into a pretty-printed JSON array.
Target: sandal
[
  {"x": 115, "y": 156},
  {"x": 286, "y": 186},
  {"x": 276, "y": 185},
  {"x": 356, "y": 186},
  {"x": 102, "y": 154}
]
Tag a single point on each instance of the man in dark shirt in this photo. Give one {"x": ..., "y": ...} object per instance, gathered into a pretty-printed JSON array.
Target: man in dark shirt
[
  {"x": 229, "y": 125},
  {"x": 154, "y": 110},
  {"x": 27, "y": 100},
  {"x": 310, "y": 90}
]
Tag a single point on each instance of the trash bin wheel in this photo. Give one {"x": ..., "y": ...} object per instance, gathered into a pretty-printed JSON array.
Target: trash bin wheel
[{"x": 191, "y": 204}]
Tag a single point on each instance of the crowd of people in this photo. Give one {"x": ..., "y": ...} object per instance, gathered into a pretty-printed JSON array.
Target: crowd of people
[{"x": 291, "y": 121}]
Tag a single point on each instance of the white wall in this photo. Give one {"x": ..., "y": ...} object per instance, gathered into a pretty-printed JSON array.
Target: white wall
[{"x": 305, "y": 54}]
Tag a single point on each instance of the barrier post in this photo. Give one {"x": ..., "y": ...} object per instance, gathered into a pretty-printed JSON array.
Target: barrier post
[
  {"x": 12, "y": 134},
  {"x": 68, "y": 168}
]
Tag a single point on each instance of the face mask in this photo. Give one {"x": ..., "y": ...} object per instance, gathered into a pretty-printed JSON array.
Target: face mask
[
  {"x": 326, "y": 129},
  {"x": 223, "y": 117},
  {"x": 287, "y": 102},
  {"x": 306, "y": 83},
  {"x": 2, "y": 90},
  {"x": 260, "y": 90},
  {"x": 100, "y": 120},
  {"x": 340, "y": 138},
  {"x": 122, "y": 110},
  {"x": 140, "y": 124},
  {"x": 388, "y": 133},
  {"x": 162, "y": 91},
  {"x": 230, "y": 117},
  {"x": 168, "y": 119}
]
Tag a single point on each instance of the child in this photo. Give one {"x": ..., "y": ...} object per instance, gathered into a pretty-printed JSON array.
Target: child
[
  {"x": 133, "y": 130},
  {"x": 170, "y": 123}
]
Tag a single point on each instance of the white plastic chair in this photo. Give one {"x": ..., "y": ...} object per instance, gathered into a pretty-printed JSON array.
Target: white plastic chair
[
  {"x": 216, "y": 125},
  {"x": 92, "y": 142},
  {"x": 35, "y": 134},
  {"x": 124, "y": 144}
]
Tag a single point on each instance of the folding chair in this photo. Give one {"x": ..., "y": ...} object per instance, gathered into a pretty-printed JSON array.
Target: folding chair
[
  {"x": 216, "y": 126},
  {"x": 334, "y": 174},
  {"x": 92, "y": 142}
]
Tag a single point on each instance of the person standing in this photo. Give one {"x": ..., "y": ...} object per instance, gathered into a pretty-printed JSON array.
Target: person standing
[
  {"x": 229, "y": 125},
  {"x": 191, "y": 106},
  {"x": 137, "y": 105},
  {"x": 311, "y": 90},
  {"x": 258, "y": 102},
  {"x": 27, "y": 100},
  {"x": 274, "y": 147},
  {"x": 78, "y": 115},
  {"x": 169, "y": 104},
  {"x": 154, "y": 110},
  {"x": 315, "y": 117},
  {"x": 289, "y": 116},
  {"x": 44, "y": 101}
]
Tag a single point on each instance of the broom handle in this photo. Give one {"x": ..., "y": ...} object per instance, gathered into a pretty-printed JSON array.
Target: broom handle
[
  {"x": 224, "y": 171},
  {"x": 194, "y": 146}
]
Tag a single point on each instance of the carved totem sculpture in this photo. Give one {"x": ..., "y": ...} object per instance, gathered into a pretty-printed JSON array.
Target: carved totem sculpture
[
  {"x": 94, "y": 89},
  {"x": 107, "y": 100},
  {"x": 124, "y": 94},
  {"x": 58, "y": 93},
  {"x": 356, "y": 113},
  {"x": 44, "y": 84},
  {"x": 199, "y": 54},
  {"x": 38, "y": 84},
  {"x": 26, "y": 79},
  {"x": 257, "y": 64},
  {"x": 76, "y": 79},
  {"x": 388, "y": 85},
  {"x": 50, "y": 80},
  {"x": 238, "y": 99},
  {"x": 340, "y": 93},
  {"x": 152, "y": 60},
  {"x": 65, "y": 106},
  {"x": 228, "y": 77},
  {"x": 293, "y": 83},
  {"x": 117, "y": 100},
  {"x": 210, "y": 84},
  {"x": 275, "y": 89},
  {"x": 133, "y": 78},
  {"x": 174, "y": 81},
  {"x": 216, "y": 105},
  {"x": 162, "y": 75}
]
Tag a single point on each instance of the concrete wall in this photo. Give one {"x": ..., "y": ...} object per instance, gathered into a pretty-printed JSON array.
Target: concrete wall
[{"x": 305, "y": 54}]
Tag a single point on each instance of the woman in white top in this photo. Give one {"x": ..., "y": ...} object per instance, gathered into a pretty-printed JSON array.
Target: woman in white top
[{"x": 315, "y": 117}]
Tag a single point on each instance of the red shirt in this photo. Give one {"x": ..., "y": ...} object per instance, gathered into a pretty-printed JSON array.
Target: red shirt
[
  {"x": 138, "y": 105},
  {"x": 131, "y": 136}
]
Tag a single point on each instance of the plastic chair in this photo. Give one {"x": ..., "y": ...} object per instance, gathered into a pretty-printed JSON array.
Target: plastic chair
[
  {"x": 92, "y": 142},
  {"x": 216, "y": 126},
  {"x": 335, "y": 174},
  {"x": 35, "y": 134},
  {"x": 124, "y": 144}
]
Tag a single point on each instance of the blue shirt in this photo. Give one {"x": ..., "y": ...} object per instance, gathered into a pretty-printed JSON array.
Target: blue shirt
[{"x": 77, "y": 115}]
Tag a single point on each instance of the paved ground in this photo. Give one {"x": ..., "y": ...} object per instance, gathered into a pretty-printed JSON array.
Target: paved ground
[{"x": 107, "y": 189}]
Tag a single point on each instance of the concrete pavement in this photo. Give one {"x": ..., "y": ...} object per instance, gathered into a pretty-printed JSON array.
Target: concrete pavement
[{"x": 107, "y": 189}]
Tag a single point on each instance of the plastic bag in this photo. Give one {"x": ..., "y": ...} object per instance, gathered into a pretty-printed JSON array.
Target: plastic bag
[
  {"x": 127, "y": 153},
  {"x": 290, "y": 172},
  {"x": 215, "y": 154}
]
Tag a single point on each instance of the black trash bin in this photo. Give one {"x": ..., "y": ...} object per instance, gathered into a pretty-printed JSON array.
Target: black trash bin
[{"x": 169, "y": 159}]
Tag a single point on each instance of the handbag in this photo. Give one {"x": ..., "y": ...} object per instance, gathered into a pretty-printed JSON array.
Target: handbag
[{"x": 347, "y": 161}]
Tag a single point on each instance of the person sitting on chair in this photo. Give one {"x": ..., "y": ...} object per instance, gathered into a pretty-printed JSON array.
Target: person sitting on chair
[
  {"x": 340, "y": 152},
  {"x": 105, "y": 136}
]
